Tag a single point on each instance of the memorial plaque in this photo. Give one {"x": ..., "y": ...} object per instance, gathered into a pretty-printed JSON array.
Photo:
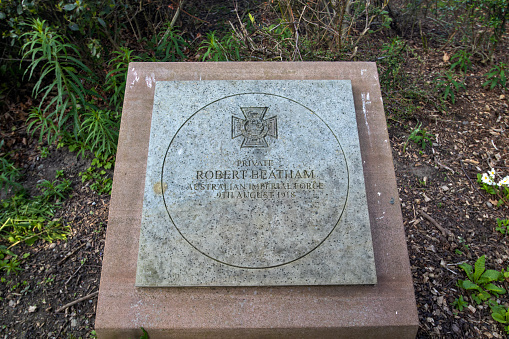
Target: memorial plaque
[{"x": 253, "y": 183}]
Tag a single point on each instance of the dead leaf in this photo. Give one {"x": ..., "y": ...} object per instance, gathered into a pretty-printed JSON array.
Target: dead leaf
[{"x": 446, "y": 57}]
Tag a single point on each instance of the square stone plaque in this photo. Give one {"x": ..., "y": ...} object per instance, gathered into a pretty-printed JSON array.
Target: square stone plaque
[{"x": 253, "y": 183}]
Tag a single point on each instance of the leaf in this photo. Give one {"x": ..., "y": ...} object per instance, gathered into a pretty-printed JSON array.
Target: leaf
[
  {"x": 70, "y": 7},
  {"x": 101, "y": 21},
  {"x": 483, "y": 295},
  {"x": 468, "y": 270},
  {"x": 489, "y": 275},
  {"x": 446, "y": 57},
  {"x": 495, "y": 289},
  {"x": 467, "y": 285},
  {"x": 74, "y": 27},
  {"x": 480, "y": 266},
  {"x": 499, "y": 317}
]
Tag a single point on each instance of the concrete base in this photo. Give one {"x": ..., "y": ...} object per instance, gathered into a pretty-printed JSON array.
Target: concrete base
[{"x": 386, "y": 310}]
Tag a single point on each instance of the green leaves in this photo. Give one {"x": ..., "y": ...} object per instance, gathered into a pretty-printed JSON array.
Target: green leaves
[
  {"x": 8, "y": 173},
  {"x": 101, "y": 130},
  {"x": 419, "y": 136},
  {"x": 480, "y": 280},
  {"x": 64, "y": 75},
  {"x": 479, "y": 268},
  {"x": 496, "y": 77},
  {"x": 502, "y": 225},
  {"x": 449, "y": 86},
  {"x": 462, "y": 62},
  {"x": 116, "y": 78}
]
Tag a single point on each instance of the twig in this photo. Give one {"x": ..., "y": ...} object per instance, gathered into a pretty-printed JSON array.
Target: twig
[
  {"x": 471, "y": 183},
  {"x": 172, "y": 23},
  {"x": 440, "y": 164},
  {"x": 70, "y": 254},
  {"x": 74, "y": 274},
  {"x": 90, "y": 296},
  {"x": 444, "y": 231}
]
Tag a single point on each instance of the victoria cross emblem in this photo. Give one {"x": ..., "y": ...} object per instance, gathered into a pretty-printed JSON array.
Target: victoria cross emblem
[{"x": 254, "y": 129}]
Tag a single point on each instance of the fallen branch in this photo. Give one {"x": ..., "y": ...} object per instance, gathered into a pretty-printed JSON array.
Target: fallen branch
[
  {"x": 444, "y": 231},
  {"x": 90, "y": 296}
]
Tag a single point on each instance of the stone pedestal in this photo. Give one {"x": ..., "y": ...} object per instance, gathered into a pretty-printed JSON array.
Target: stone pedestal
[{"x": 383, "y": 310}]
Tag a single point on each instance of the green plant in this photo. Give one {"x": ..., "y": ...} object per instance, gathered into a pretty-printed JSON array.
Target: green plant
[
  {"x": 8, "y": 261},
  {"x": 213, "y": 50},
  {"x": 462, "y": 62},
  {"x": 100, "y": 131},
  {"x": 53, "y": 191},
  {"x": 44, "y": 152},
  {"x": 9, "y": 174},
  {"x": 500, "y": 314},
  {"x": 419, "y": 136},
  {"x": 503, "y": 226},
  {"x": 459, "y": 303},
  {"x": 59, "y": 174},
  {"x": 448, "y": 85},
  {"x": 480, "y": 280},
  {"x": 65, "y": 73},
  {"x": 96, "y": 174},
  {"x": 496, "y": 77},
  {"x": 167, "y": 46},
  {"x": 117, "y": 77},
  {"x": 392, "y": 59},
  {"x": 499, "y": 189},
  {"x": 38, "y": 121},
  {"x": 27, "y": 219}
]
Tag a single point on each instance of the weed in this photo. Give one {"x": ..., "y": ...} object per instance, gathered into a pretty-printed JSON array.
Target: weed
[
  {"x": 116, "y": 78},
  {"x": 448, "y": 85},
  {"x": 419, "y": 136},
  {"x": 214, "y": 51},
  {"x": 500, "y": 314},
  {"x": 96, "y": 174},
  {"x": 496, "y": 77},
  {"x": 38, "y": 121},
  {"x": 462, "y": 62},
  {"x": 480, "y": 281},
  {"x": 8, "y": 261},
  {"x": 27, "y": 220},
  {"x": 459, "y": 303},
  {"x": 44, "y": 152},
  {"x": 101, "y": 130},
  {"x": 59, "y": 174},
  {"x": 165, "y": 47},
  {"x": 53, "y": 191},
  {"x": 9, "y": 174},
  {"x": 392, "y": 60},
  {"x": 503, "y": 226},
  {"x": 47, "y": 48}
]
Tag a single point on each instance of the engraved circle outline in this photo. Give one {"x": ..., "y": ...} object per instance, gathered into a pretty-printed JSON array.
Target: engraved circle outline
[{"x": 270, "y": 266}]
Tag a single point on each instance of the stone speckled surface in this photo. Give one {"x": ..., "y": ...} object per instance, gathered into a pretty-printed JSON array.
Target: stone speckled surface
[
  {"x": 384, "y": 310},
  {"x": 263, "y": 185}
]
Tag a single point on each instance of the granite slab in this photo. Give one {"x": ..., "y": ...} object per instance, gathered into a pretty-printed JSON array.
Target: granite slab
[{"x": 254, "y": 182}]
